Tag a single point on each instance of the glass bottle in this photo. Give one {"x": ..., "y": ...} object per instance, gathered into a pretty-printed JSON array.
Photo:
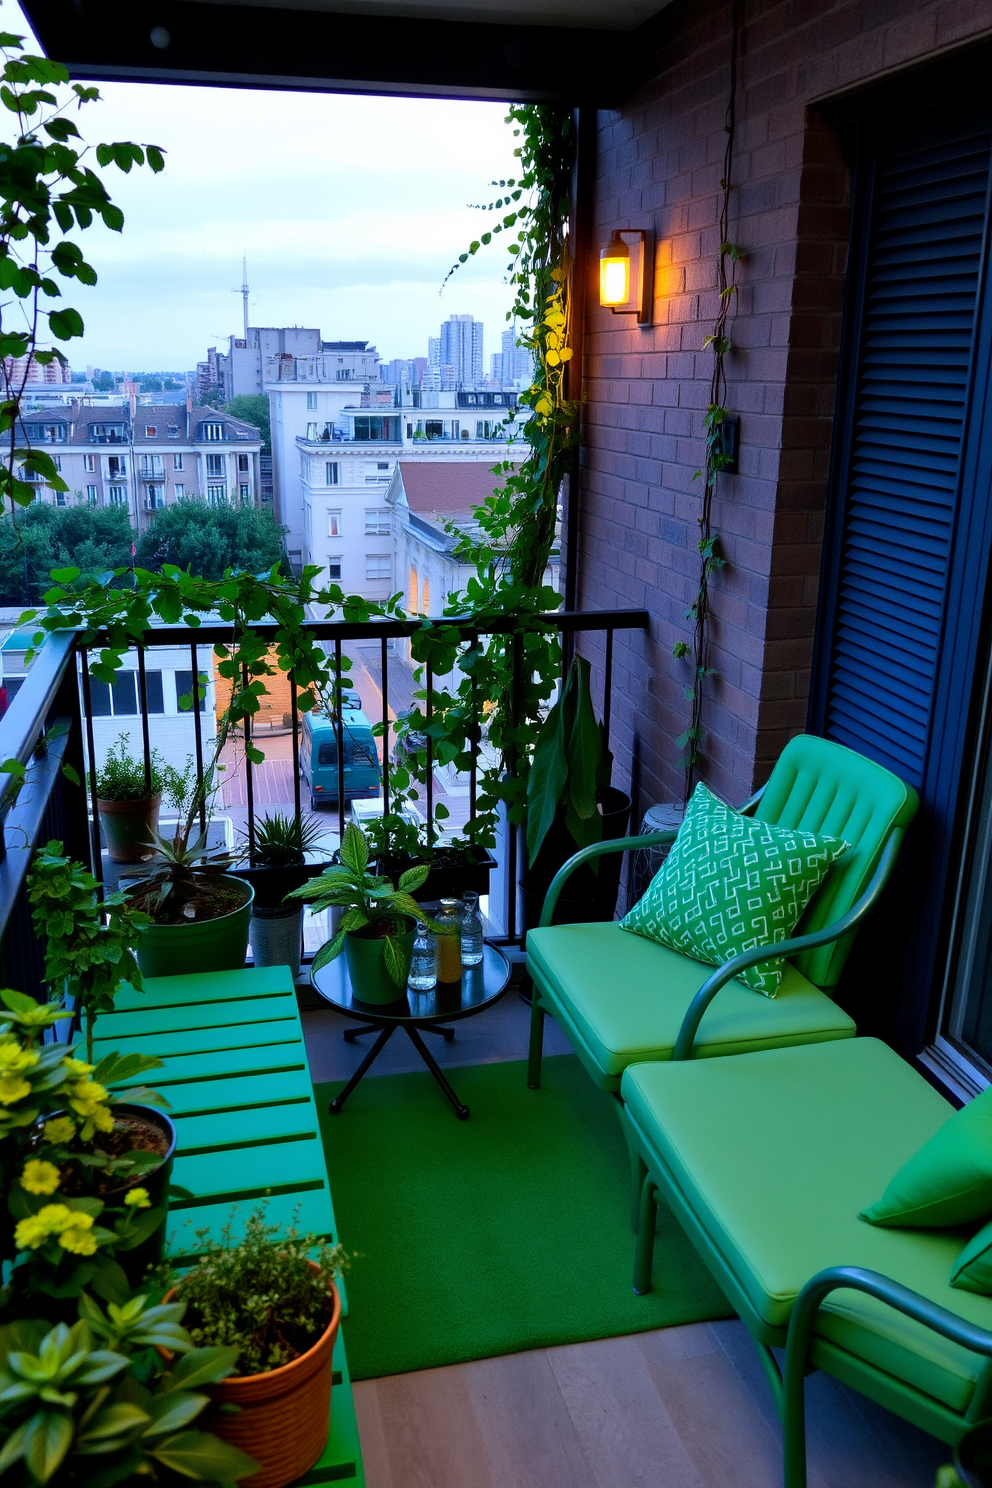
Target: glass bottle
[
  {"x": 449, "y": 946},
  {"x": 423, "y": 961},
  {"x": 471, "y": 930}
]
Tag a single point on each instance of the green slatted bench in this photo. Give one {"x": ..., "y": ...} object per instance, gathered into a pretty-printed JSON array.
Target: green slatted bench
[{"x": 238, "y": 1085}]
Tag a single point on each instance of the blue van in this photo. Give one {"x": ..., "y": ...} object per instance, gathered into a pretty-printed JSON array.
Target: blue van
[{"x": 319, "y": 757}]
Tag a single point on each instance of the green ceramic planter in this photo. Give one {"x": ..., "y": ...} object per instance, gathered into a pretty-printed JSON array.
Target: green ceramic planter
[
  {"x": 203, "y": 945},
  {"x": 370, "y": 981}
]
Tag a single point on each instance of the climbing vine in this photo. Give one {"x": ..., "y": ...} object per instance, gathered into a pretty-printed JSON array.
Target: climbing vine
[
  {"x": 513, "y": 674},
  {"x": 718, "y": 452}
]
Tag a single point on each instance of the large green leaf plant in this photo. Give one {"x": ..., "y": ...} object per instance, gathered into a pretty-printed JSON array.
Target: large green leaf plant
[
  {"x": 372, "y": 907},
  {"x": 571, "y": 767}
]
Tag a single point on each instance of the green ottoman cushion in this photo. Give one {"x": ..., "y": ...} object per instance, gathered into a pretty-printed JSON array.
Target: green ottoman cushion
[
  {"x": 949, "y": 1181},
  {"x": 776, "y": 1155},
  {"x": 627, "y": 996}
]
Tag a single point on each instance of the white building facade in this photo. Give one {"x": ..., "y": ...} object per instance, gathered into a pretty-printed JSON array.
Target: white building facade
[{"x": 346, "y": 465}]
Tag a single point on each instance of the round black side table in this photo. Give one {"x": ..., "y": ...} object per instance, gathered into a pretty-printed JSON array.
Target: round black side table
[{"x": 480, "y": 986}]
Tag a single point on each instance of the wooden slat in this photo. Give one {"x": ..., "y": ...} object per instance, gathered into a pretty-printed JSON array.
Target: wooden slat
[
  {"x": 238, "y": 1092},
  {"x": 193, "y": 1015},
  {"x": 341, "y": 1459},
  {"x": 207, "y": 1067},
  {"x": 241, "y": 1173},
  {"x": 206, "y": 1040},
  {"x": 220, "y": 1131},
  {"x": 206, "y": 987},
  {"x": 310, "y": 1212}
]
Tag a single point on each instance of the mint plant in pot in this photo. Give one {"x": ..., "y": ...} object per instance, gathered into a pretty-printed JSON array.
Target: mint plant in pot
[
  {"x": 570, "y": 805},
  {"x": 272, "y": 1299},
  {"x": 377, "y": 927},
  {"x": 128, "y": 800}
]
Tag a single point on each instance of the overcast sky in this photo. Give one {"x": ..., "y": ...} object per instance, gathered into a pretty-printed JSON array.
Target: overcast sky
[{"x": 349, "y": 210}]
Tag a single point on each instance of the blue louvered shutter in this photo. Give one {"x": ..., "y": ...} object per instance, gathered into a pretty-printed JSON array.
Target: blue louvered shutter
[{"x": 900, "y": 456}]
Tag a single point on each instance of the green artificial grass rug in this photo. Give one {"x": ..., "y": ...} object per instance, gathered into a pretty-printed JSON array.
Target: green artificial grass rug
[{"x": 507, "y": 1231}]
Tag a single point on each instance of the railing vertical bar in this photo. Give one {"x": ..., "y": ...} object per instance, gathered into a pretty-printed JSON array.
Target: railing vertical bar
[
  {"x": 249, "y": 777},
  {"x": 95, "y": 852},
  {"x": 294, "y": 714},
  {"x": 607, "y": 687},
  {"x": 384, "y": 655},
  {"x": 339, "y": 734},
  {"x": 143, "y": 706},
  {"x": 476, "y": 735},
  {"x": 430, "y": 757},
  {"x": 197, "y": 729},
  {"x": 511, "y": 827}
]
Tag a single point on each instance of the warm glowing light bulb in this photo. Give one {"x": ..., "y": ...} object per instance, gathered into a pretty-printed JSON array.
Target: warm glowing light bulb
[{"x": 614, "y": 272}]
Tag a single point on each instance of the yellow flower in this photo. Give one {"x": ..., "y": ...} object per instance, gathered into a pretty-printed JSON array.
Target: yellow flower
[
  {"x": 86, "y": 1093},
  {"x": 60, "y": 1129},
  {"x": 77, "y": 1066},
  {"x": 138, "y": 1199},
  {"x": 13, "y": 1058},
  {"x": 102, "y": 1119},
  {"x": 76, "y": 1237},
  {"x": 52, "y": 1219},
  {"x": 40, "y": 1177},
  {"x": 13, "y": 1088}
]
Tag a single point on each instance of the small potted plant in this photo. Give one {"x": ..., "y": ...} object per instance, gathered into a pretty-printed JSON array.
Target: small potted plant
[
  {"x": 128, "y": 808},
  {"x": 278, "y": 864},
  {"x": 90, "y": 1404},
  {"x": 272, "y": 1299},
  {"x": 199, "y": 913},
  {"x": 377, "y": 926},
  {"x": 85, "y": 1162},
  {"x": 453, "y": 863}
]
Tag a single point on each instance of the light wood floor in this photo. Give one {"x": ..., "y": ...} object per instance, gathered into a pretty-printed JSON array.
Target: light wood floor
[{"x": 678, "y": 1408}]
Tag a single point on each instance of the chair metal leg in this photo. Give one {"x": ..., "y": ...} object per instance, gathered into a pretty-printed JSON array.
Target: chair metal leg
[
  {"x": 794, "y": 1437},
  {"x": 646, "y": 1227},
  {"x": 638, "y": 1170},
  {"x": 773, "y": 1373},
  {"x": 536, "y": 1042}
]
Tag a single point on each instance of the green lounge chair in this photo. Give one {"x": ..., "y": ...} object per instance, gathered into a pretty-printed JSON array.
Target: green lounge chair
[
  {"x": 621, "y": 999},
  {"x": 766, "y": 1162}
]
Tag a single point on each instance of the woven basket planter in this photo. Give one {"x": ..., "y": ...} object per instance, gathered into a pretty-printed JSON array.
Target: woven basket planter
[{"x": 285, "y": 1414}]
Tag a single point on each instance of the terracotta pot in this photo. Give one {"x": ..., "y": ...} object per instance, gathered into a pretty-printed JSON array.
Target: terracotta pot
[
  {"x": 128, "y": 826},
  {"x": 284, "y": 1418}
]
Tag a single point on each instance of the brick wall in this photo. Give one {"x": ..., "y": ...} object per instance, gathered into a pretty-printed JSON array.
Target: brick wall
[{"x": 658, "y": 165}]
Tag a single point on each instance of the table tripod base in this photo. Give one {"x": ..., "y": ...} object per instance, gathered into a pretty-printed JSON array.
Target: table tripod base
[
  {"x": 371, "y": 1056},
  {"x": 462, "y": 1112}
]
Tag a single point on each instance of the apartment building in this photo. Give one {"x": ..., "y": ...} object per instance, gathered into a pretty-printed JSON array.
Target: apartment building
[
  {"x": 346, "y": 465},
  {"x": 145, "y": 457}
]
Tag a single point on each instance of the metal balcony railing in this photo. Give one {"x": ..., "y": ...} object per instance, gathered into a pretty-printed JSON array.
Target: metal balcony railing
[{"x": 52, "y": 721}]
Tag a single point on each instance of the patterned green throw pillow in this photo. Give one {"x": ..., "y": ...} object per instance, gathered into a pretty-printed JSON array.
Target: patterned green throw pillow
[{"x": 731, "y": 883}]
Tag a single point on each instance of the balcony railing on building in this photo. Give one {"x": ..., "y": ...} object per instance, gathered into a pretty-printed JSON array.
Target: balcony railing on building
[{"x": 59, "y": 715}]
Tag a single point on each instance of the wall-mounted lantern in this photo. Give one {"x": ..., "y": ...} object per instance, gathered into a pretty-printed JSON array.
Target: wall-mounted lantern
[{"x": 626, "y": 273}]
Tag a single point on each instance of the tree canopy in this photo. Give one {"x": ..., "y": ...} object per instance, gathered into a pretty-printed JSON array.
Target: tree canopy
[
  {"x": 93, "y": 539},
  {"x": 208, "y": 539},
  {"x": 254, "y": 409}
]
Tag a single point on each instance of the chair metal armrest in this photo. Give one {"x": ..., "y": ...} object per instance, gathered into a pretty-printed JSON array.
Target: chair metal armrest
[
  {"x": 802, "y": 1323},
  {"x": 597, "y": 850},
  {"x": 790, "y": 947}
]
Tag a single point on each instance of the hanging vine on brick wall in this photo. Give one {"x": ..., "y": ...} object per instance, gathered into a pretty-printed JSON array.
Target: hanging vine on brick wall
[{"x": 719, "y": 455}]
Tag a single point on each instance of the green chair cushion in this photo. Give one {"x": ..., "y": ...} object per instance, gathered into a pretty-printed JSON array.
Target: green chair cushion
[
  {"x": 949, "y": 1181},
  {"x": 731, "y": 883},
  {"x": 972, "y": 1270},
  {"x": 777, "y": 1153},
  {"x": 627, "y": 997}
]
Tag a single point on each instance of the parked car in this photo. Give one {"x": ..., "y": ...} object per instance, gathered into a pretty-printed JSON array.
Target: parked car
[{"x": 319, "y": 757}]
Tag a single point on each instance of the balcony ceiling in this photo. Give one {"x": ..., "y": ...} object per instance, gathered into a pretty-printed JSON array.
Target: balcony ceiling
[{"x": 567, "y": 51}]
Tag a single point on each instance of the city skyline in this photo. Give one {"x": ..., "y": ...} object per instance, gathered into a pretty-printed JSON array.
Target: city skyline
[{"x": 350, "y": 210}]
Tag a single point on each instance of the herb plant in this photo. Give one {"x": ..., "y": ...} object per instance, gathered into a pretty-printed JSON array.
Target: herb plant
[
  {"x": 261, "y": 1298},
  {"x": 89, "y": 945},
  {"x": 373, "y": 908},
  {"x": 90, "y": 1405},
  {"x": 122, "y": 776}
]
